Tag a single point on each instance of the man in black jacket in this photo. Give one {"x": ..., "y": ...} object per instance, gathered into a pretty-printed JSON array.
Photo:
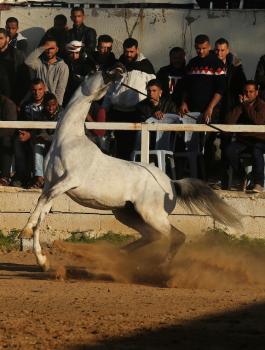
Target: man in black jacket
[
  {"x": 14, "y": 74},
  {"x": 8, "y": 112},
  {"x": 81, "y": 32},
  {"x": 171, "y": 76}
]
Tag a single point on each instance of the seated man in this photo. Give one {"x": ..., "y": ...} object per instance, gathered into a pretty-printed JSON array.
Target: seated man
[
  {"x": 157, "y": 109},
  {"x": 8, "y": 112},
  {"x": 17, "y": 40},
  {"x": 250, "y": 111},
  {"x": 43, "y": 138},
  {"x": 50, "y": 68},
  {"x": 31, "y": 110}
]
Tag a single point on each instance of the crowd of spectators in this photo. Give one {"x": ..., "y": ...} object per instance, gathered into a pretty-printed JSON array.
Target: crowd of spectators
[{"x": 36, "y": 86}]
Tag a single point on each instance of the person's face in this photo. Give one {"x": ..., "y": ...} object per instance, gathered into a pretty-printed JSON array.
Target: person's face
[
  {"x": 250, "y": 92},
  {"x": 74, "y": 56},
  {"x": 131, "y": 53},
  {"x": 177, "y": 59},
  {"x": 222, "y": 50},
  {"x": 12, "y": 29},
  {"x": 203, "y": 50},
  {"x": 38, "y": 91},
  {"x": 104, "y": 48},
  {"x": 77, "y": 17},
  {"x": 52, "y": 50},
  {"x": 3, "y": 41},
  {"x": 59, "y": 25},
  {"x": 154, "y": 93},
  {"x": 51, "y": 106}
]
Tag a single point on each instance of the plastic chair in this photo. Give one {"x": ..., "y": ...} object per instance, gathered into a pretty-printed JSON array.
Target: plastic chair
[
  {"x": 192, "y": 155},
  {"x": 161, "y": 158}
]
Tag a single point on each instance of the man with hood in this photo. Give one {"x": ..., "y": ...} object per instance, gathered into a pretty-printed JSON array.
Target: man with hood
[
  {"x": 120, "y": 101},
  {"x": 17, "y": 40},
  {"x": 50, "y": 68}
]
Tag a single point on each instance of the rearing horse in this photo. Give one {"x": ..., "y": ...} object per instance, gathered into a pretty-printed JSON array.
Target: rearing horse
[{"x": 137, "y": 193}]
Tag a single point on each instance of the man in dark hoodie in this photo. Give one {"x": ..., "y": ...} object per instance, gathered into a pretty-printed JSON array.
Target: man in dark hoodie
[
  {"x": 120, "y": 101},
  {"x": 17, "y": 40},
  {"x": 171, "y": 76},
  {"x": 103, "y": 57},
  {"x": 81, "y": 32},
  {"x": 14, "y": 74}
]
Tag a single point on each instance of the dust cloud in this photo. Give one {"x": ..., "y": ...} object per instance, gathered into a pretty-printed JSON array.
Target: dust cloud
[{"x": 202, "y": 264}]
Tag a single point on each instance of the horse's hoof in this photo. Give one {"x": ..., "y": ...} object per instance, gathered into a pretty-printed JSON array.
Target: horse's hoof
[
  {"x": 43, "y": 262},
  {"x": 27, "y": 232}
]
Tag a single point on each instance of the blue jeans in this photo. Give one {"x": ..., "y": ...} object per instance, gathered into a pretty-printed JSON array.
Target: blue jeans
[{"x": 40, "y": 151}]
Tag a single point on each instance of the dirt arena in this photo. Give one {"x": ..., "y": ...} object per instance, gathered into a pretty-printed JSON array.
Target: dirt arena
[{"x": 95, "y": 297}]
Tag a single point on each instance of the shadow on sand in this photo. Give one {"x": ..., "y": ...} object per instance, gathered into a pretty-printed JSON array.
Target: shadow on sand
[{"x": 242, "y": 329}]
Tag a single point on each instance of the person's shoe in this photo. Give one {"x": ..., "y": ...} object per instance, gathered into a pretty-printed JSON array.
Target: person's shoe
[
  {"x": 4, "y": 181},
  {"x": 258, "y": 188},
  {"x": 37, "y": 183}
]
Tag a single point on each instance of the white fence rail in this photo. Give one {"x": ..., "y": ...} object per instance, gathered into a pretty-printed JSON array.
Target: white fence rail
[{"x": 145, "y": 129}]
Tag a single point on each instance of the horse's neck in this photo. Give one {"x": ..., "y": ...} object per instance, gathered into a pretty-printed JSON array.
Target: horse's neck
[{"x": 74, "y": 116}]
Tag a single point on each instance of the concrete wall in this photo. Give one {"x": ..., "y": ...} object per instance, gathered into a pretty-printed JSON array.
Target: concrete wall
[
  {"x": 158, "y": 30},
  {"x": 66, "y": 216}
]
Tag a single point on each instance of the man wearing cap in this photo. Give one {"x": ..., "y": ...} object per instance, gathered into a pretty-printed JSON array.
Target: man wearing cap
[{"x": 78, "y": 68}]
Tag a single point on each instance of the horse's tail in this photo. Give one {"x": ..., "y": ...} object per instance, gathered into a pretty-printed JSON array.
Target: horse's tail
[{"x": 195, "y": 194}]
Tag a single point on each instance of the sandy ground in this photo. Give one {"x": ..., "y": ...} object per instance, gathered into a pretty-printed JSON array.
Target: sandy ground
[{"x": 98, "y": 298}]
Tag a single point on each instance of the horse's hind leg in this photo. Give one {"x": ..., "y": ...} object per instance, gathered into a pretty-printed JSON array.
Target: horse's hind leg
[
  {"x": 131, "y": 218},
  {"x": 177, "y": 238}
]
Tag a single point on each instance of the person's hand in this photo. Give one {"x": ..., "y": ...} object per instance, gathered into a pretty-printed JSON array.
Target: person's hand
[
  {"x": 243, "y": 99},
  {"x": 24, "y": 135},
  {"x": 183, "y": 109},
  {"x": 48, "y": 45},
  {"x": 207, "y": 115},
  {"x": 159, "y": 115}
]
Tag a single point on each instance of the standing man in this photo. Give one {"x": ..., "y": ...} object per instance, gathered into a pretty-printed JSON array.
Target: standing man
[
  {"x": 14, "y": 74},
  {"x": 250, "y": 111},
  {"x": 17, "y": 40},
  {"x": 59, "y": 33},
  {"x": 120, "y": 101},
  {"x": 103, "y": 57},
  {"x": 81, "y": 32},
  {"x": 171, "y": 76},
  {"x": 50, "y": 68},
  {"x": 204, "y": 86},
  {"x": 204, "y": 83},
  {"x": 235, "y": 81}
]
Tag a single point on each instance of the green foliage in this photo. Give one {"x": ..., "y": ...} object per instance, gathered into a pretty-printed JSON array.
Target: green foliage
[
  {"x": 220, "y": 238},
  {"x": 111, "y": 237},
  {"x": 9, "y": 242}
]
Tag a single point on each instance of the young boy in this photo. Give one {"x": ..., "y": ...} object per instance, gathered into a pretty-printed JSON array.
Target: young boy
[{"x": 51, "y": 112}]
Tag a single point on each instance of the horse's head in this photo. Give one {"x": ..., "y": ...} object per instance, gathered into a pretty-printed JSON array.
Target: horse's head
[{"x": 96, "y": 85}]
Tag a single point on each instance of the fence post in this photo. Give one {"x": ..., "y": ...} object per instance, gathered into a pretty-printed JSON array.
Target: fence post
[{"x": 145, "y": 134}]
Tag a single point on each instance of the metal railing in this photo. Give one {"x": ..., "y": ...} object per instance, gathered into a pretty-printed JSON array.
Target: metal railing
[{"x": 145, "y": 129}]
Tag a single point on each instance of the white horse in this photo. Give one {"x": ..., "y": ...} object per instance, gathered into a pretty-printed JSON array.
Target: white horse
[{"x": 140, "y": 195}]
